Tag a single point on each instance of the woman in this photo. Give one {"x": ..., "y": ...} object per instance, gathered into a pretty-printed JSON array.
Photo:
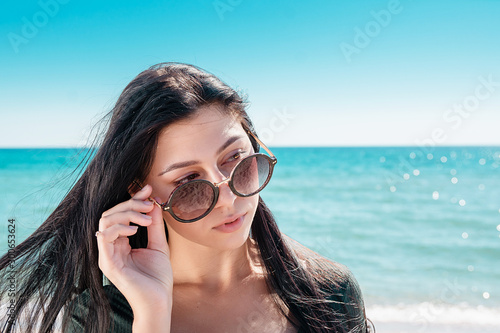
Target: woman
[{"x": 168, "y": 212}]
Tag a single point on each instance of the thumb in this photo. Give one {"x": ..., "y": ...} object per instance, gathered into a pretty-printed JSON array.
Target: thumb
[{"x": 157, "y": 239}]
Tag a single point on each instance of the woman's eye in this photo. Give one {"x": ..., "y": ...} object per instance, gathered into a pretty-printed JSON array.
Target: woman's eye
[
  {"x": 186, "y": 179},
  {"x": 236, "y": 156}
]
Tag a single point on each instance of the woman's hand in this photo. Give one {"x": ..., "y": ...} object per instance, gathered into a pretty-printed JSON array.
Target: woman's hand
[{"x": 143, "y": 276}]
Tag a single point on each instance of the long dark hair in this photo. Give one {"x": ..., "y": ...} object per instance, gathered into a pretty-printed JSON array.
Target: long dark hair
[{"x": 59, "y": 260}]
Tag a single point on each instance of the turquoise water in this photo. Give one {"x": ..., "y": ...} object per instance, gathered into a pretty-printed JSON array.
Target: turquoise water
[{"x": 419, "y": 228}]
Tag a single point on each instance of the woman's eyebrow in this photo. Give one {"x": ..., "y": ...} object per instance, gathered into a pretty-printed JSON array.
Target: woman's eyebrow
[
  {"x": 184, "y": 164},
  {"x": 229, "y": 142},
  {"x": 178, "y": 166}
]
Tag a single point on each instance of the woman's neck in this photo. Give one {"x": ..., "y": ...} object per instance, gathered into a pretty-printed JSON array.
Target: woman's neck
[{"x": 212, "y": 269}]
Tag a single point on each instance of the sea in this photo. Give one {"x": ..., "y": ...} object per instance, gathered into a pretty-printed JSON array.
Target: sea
[{"x": 419, "y": 227}]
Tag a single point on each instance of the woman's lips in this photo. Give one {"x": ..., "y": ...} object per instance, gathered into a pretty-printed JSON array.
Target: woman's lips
[{"x": 231, "y": 226}]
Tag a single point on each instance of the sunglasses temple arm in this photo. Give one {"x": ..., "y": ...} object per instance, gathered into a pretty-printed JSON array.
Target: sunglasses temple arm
[
  {"x": 149, "y": 198},
  {"x": 262, "y": 144},
  {"x": 156, "y": 203}
]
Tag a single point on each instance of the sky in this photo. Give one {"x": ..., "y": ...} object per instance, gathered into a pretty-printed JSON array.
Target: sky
[{"x": 316, "y": 73}]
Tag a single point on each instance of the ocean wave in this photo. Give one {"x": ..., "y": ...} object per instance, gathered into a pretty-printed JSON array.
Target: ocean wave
[{"x": 431, "y": 314}]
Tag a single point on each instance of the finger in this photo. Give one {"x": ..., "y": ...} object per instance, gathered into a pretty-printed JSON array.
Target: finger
[
  {"x": 142, "y": 206},
  {"x": 106, "y": 242},
  {"x": 140, "y": 202},
  {"x": 110, "y": 234},
  {"x": 124, "y": 218},
  {"x": 157, "y": 239},
  {"x": 144, "y": 193}
]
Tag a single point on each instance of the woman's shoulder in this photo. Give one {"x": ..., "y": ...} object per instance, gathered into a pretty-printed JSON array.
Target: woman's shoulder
[
  {"x": 318, "y": 264},
  {"x": 121, "y": 316},
  {"x": 337, "y": 283}
]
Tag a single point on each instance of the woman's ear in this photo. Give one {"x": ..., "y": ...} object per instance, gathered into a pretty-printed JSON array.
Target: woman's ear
[{"x": 134, "y": 188}]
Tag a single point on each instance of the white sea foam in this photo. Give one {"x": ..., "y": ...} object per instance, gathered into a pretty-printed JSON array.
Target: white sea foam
[{"x": 430, "y": 314}]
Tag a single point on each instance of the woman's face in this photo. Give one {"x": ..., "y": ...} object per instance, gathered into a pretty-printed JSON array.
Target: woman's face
[{"x": 206, "y": 146}]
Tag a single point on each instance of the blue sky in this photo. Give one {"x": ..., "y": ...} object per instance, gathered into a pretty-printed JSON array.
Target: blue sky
[{"x": 320, "y": 73}]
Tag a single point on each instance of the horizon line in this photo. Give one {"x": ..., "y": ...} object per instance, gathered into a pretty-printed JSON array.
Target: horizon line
[{"x": 495, "y": 145}]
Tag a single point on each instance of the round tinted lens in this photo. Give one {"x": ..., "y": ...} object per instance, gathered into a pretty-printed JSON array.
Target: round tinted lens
[
  {"x": 251, "y": 175},
  {"x": 192, "y": 200}
]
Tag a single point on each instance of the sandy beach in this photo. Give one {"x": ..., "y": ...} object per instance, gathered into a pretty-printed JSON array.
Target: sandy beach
[
  {"x": 412, "y": 319},
  {"x": 387, "y": 327}
]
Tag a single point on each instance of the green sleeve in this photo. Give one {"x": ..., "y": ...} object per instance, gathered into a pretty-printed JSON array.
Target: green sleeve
[
  {"x": 121, "y": 316},
  {"x": 348, "y": 303}
]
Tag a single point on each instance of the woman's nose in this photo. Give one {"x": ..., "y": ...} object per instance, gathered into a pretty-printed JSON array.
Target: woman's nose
[{"x": 226, "y": 195}]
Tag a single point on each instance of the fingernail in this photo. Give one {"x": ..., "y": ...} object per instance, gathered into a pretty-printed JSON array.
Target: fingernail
[
  {"x": 133, "y": 227},
  {"x": 148, "y": 202},
  {"x": 148, "y": 217},
  {"x": 144, "y": 188}
]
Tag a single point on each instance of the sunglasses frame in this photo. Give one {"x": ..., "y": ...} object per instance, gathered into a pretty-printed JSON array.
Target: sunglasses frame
[{"x": 215, "y": 186}]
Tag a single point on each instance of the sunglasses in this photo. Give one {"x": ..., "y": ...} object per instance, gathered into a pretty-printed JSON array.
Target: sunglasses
[{"x": 195, "y": 199}]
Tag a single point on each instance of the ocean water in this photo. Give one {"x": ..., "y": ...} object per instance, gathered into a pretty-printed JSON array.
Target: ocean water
[{"x": 419, "y": 228}]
